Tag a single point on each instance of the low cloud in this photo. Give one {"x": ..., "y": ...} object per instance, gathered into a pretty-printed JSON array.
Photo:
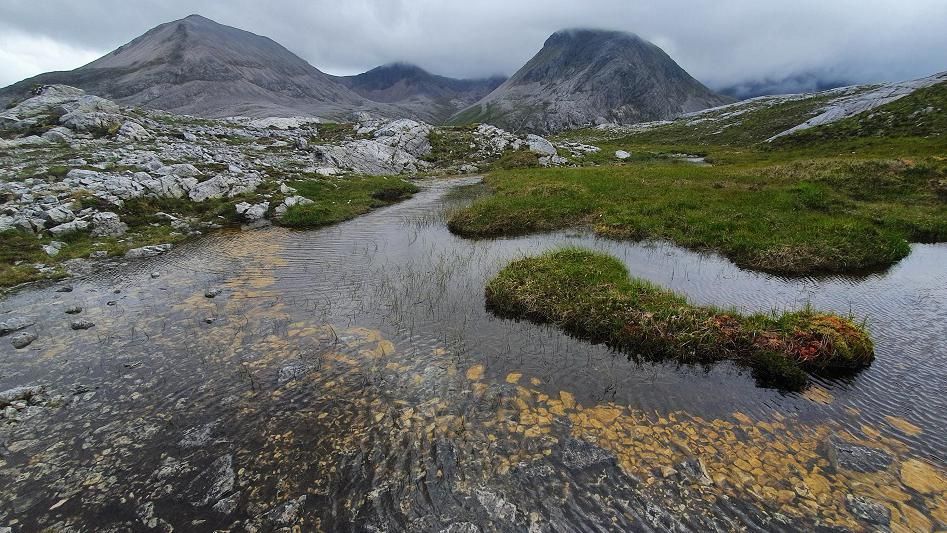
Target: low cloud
[{"x": 724, "y": 43}]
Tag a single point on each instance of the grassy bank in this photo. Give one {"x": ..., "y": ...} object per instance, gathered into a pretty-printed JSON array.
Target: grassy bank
[
  {"x": 799, "y": 215},
  {"x": 592, "y": 296},
  {"x": 338, "y": 199}
]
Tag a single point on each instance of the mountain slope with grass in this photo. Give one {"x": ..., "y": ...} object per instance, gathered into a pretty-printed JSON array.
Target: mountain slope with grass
[{"x": 584, "y": 77}]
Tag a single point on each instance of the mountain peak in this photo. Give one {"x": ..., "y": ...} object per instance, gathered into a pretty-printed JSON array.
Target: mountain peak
[{"x": 584, "y": 76}]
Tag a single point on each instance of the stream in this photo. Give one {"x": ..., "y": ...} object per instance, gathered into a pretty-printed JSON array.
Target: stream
[{"x": 350, "y": 379}]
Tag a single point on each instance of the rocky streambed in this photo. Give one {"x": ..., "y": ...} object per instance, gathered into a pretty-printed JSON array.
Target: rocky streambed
[{"x": 350, "y": 378}]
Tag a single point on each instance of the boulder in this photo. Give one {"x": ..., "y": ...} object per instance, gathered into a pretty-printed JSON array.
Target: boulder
[
  {"x": 69, "y": 227},
  {"x": 82, "y": 324},
  {"x": 59, "y": 215},
  {"x": 252, "y": 212},
  {"x": 133, "y": 131},
  {"x": 59, "y": 135},
  {"x": 107, "y": 224},
  {"x": 540, "y": 146},
  {"x": 621, "y": 154}
]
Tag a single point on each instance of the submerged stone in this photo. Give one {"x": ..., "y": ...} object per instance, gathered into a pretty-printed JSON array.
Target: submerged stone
[
  {"x": 843, "y": 454},
  {"x": 22, "y": 339},
  {"x": 868, "y": 510}
]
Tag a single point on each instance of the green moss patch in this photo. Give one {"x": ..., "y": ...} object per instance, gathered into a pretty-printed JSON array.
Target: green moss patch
[
  {"x": 592, "y": 296},
  {"x": 338, "y": 199}
]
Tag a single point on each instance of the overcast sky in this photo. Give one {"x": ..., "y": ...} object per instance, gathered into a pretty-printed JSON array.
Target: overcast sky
[{"x": 720, "y": 42}]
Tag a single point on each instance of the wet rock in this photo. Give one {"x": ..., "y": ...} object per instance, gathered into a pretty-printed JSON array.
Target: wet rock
[
  {"x": 581, "y": 455},
  {"x": 107, "y": 224},
  {"x": 197, "y": 437},
  {"x": 73, "y": 310},
  {"x": 14, "y": 324},
  {"x": 155, "y": 275},
  {"x": 868, "y": 510},
  {"x": 497, "y": 507},
  {"x": 24, "y": 393},
  {"x": 148, "y": 251},
  {"x": 286, "y": 514},
  {"x": 292, "y": 371},
  {"x": 693, "y": 469},
  {"x": 65, "y": 288},
  {"x": 621, "y": 154},
  {"x": 843, "y": 454},
  {"x": 81, "y": 324},
  {"x": 213, "y": 483},
  {"x": 23, "y": 339},
  {"x": 227, "y": 505},
  {"x": 922, "y": 477},
  {"x": 212, "y": 293}
]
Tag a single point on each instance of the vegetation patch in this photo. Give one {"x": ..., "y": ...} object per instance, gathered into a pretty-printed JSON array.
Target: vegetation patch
[
  {"x": 591, "y": 295},
  {"x": 804, "y": 216},
  {"x": 338, "y": 199}
]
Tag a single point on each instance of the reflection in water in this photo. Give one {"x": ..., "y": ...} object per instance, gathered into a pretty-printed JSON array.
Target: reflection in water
[{"x": 349, "y": 378}]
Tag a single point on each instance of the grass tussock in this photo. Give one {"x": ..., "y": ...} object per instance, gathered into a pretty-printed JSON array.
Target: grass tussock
[
  {"x": 592, "y": 296},
  {"x": 339, "y": 199}
]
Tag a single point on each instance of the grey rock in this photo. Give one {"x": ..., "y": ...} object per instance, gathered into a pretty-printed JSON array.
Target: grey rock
[
  {"x": 497, "y": 507},
  {"x": 53, "y": 248},
  {"x": 868, "y": 510},
  {"x": 133, "y": 131},
  {"x": 286, "y": 514},
  {"x": 540, "y": 146},
  {"x": 621, "y": 154},
  {"x": 578, "y": 454},
  {"x": 252, "y": 212},
  {"x": 69, "y": 227},
  {"x": 213, "y": 483},
  {"x": 189, "y": 137},
  {"x": 148, "y": 251},
  {"x": 11, "y": 325},
  {"x": 183, "y": 170},
  {"x": 843, "y": 454},
  {"x": 59, "y": 135},
  {"x": 15, "y": 394},
  {"x": 22, "y": 339},
  {"x": 107, "y": 224},
  {"x": 212, "y": 293},
  {"x": 73, "y": 310},
  {"x": 59, "y": 215},
  {"x": 82, "y": 324}
]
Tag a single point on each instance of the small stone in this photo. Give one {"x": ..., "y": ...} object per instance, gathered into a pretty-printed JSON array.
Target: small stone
[
  {"x": 621, "y": 154},
  {"x": 22, "y": 339},
  {"x": 73, "y": 310},
  {"x": 155, "y": 275},
  {"x": 147, "y": 251},
  {"x": 667, "y": 471},
  {"x": 108, "y": 224},
  {"x": 212, "y": 293},
  {"x": 82, "y": 324},
  {"x": 210, "y": 320},
  {"x": 64, "y": 288}
]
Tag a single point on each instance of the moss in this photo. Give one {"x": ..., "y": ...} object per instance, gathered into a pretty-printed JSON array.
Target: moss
[
  {"x": 512, "y": 159},
  {"x": 338, "y": 199},
  {"x": 591, "y": 296}
]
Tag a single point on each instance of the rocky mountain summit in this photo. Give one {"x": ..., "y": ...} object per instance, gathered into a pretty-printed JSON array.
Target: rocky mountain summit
[
  {"x": 588, "y": 77},
  {"x": 428, "y": 96},
  {"x": 197, "y": 66},
  {"x": 78, "y": 166}
]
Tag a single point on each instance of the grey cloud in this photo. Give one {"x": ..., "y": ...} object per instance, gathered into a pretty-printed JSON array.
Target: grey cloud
[{"x": 726, "y": 43}]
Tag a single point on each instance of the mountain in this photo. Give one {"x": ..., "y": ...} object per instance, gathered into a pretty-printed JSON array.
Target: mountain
[
  {"x": 197, "y": 66},
  {"x": 584, "y": 77},
  {"x": 424, "y": 95}
]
